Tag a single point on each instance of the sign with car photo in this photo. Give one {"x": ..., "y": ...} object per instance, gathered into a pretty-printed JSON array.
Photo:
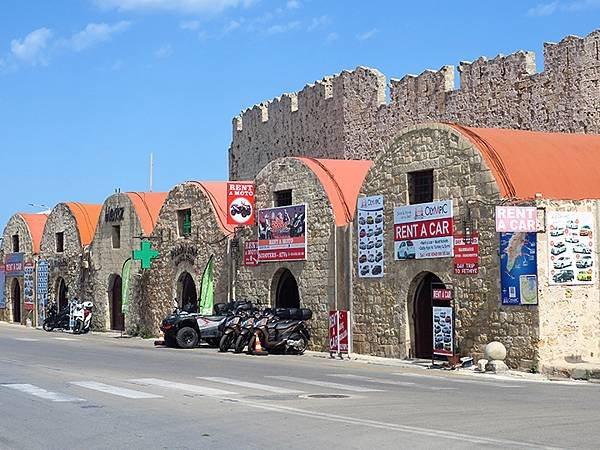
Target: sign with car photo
[
  {"x": 370, "y": 236},
  {"x": 282, "y": 233},
  {"x": 518, "y": 268},
  {"x": 571, "y": 253},
  {"x": 28, "y": 285},
  {"x": 443, "y": 335},
  {"x": 424, "y": 230}
]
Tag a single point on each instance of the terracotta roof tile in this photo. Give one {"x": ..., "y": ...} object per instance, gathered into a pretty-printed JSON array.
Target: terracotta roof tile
[
  {"x": 147, "y": 206},
  {"x": 86, "y": 216},
  {"x": 216, "y": 191},
  {"x": 35, "y": 224}
]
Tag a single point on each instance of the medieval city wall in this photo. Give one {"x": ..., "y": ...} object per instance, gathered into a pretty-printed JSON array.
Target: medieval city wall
[{"x": 346, "y": 116}]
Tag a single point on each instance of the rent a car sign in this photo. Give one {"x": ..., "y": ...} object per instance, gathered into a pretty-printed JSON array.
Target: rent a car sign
[{"x": 424, "y": 230}]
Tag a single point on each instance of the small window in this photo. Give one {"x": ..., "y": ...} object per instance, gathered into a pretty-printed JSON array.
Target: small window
[
  {"x": 60, "y": 242},
  {"x": 116, "y": 236},
  {"x": 184, "y": 222},
  {"x": 420, "y": 187},
  {"x": 15, "y": 243},
  {"x": 283, "y": 198}
]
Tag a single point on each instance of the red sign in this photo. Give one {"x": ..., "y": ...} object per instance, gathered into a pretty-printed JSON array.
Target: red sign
[
  {"x": 441, "y": 294},
  {"x": 466, "y": 255},
  {"x": 251, "y": 253},
  {"x": 240, "y": 203},
  {"x": 338, "y": 331},
  {"x": 423, "y": 230}
]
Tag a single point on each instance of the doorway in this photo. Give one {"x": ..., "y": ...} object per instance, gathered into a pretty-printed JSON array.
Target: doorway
[
  {"x": 16, "y": 300},
  {"x": 117, "y": 318},
  {"x": 61, "y": 293},
  {"x": 188, "y": 296},
  {"x": 422, "y": 316},
  {"x": 286, "y": 294}
]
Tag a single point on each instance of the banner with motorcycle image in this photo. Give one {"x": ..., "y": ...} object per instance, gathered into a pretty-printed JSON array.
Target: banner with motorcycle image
[
  {"x": 282, "y": 233},
  {"x": 240, "y": 203},
  {"x": 571, "y": 252},
  {"x": 370, "y": 236}
]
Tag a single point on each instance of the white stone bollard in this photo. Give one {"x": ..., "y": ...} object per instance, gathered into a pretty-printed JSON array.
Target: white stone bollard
[{"x": 496, "y": 353}]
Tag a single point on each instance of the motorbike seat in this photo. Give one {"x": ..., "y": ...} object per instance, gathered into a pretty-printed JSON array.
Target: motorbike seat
[{"x": 285, "y": 324}]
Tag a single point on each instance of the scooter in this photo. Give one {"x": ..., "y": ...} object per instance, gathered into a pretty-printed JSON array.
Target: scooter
[
  {"x": 231, "y": 327},
  {"x": 56, "y": 319},
  {"x": 82, "y": 316},
  {"x": 280, "y": 336},
  {"x": 246, "y": 332}
]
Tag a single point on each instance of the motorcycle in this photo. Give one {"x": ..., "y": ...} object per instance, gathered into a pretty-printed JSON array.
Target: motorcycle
[
  {"x": 246, "y": 332},
  {"x": 281, "y": 335},
  {"x": 82, "y": 316},
  {"x": 231, "y": 327},
  {"x": 56, "y": 319}
]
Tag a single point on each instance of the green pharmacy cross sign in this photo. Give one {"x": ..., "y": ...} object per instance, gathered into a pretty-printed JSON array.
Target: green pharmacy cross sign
[{"x": 145, "y": 254}]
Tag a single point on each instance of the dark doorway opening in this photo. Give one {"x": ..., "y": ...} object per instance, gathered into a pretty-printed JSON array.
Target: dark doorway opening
[
  {"x": 423, "y": 316},
  {"x": 286, "y": 295},
  {"x": 16, "y": 300},
  {"x": 117, "y": 318},
  {"x": 61, "y": 293},
  {"x": 188, "y": 297}
]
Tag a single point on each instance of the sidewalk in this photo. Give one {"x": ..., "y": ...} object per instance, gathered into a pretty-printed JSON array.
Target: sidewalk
[{"x": 576, "y": 370}]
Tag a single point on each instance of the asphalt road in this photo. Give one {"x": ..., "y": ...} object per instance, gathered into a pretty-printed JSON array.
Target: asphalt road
[{"x": 98, "y": 391}]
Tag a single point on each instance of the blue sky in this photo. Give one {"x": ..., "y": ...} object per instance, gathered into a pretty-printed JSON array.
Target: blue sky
[{"x": 88, "y": 88}]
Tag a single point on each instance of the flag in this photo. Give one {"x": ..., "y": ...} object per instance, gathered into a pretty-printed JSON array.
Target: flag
[
  {"x": 125, "y": 286},
  {"x": 207, "y": 289}
]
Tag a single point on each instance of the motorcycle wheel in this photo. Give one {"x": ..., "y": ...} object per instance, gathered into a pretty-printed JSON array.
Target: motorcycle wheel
[
  {"x": 251, "y": 344},
  {"x": 240, "y": 343},
  {"x": 303, "y": 346},
  {"x": 225, "y": 342},
  {"x": 78, "y": 327},
  {"x": 48, "y": 325},
  {"x": 187, "y": 337}
]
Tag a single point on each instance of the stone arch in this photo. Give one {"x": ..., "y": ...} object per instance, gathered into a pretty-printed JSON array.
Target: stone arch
[
  {"x": 284, "y": 289},
  {"x": 15, "y": 296},
  {"x": 186, "y": 291},
  {"x": 61, "y": 293}
]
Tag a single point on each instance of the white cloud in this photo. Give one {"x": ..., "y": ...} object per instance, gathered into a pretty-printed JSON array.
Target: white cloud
[
  {"x": 32, "y": 48},
  {"x": 317, "y": 22},
  {"x": 543, "y": 9},
  {"x": 164, "y": 51},
  {"x": 179, "y": 6},
  {"x": 367, "y": 35},
  {"x": 232, "y": 25},
  {"x": 189, "y": 25},
  {"x": 549, "y": 8},
  {"x": 332, "y": 37},
  {"x": 93, "y": 34},
  {"x": 283, "y": 28},
  {"x": 292, "y": 4}
]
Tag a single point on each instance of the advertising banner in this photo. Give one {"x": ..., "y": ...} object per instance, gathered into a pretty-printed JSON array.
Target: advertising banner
[
  {"x": 571, "y": 253},
  {"x": 466, "y": 254},
  {"x": 518, "y": 219},
  {"x": 2, "y": 280},
  {"x": 518, "y": 268},
  {"x": 125, "y": 275},
  {"x": 14, "y": 264},
  {"x": 339, "y": 331},
  {"x": 442, "y": 294},
  {"x": 240, "y": 203},
  {"x": 207, "y": 289},
  {"x": 423, "y": 231},
  {"x": 42, "y": 290},
  {"x": 370, "y": 236},
  {"x": 282, "y": 233},
  {"x": 28, "y": 286},
  {"x": 251, "y": 253},
  {"x": 443, "y": 334}
]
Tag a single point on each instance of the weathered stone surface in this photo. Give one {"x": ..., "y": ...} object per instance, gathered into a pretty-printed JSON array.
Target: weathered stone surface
[
  {"x": 481, "y": 364},
  {"x": 496, "y": 367},
  {"x": 495, "y": 351}
]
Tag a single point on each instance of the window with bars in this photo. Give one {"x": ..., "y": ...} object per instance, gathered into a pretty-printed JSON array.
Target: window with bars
[
  {"x": 420, "y": 186},
  {"x": 283, "y": 198},
  {"x": 184, "y": 222}
]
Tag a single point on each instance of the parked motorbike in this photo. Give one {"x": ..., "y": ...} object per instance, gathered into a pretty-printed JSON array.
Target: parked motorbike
[
  {"x": 281, "y": 335},
  {"x": 232, "y": 325},
  {"x": 82, "y": 316},
  {"x": 56, "y": 319},
  {"x": 246, "y": 332}
]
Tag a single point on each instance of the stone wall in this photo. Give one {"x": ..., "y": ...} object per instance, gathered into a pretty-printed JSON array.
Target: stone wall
[
  {"x": 346, "y": 116},
  {"x": 382, "y": 307}
]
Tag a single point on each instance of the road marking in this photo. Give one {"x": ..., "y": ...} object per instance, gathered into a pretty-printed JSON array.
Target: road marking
[
  {"x": 182, "y": 386},
  {"x": 390, "y": 382},
  {"x": 26, "y": 339},
  {"x": 65, "y": 339},
  {"x": 43, "y": 393},
  {"x": 327, "y": 384},
  {"x": 456, "y": 380},
  {"x": 114, "y": 390},
  {"x": 260, "y": 387}
]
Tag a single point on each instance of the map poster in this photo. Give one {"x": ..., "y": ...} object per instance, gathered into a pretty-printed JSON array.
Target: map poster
[
  {"x": 370, "y": 236},
  {"x": 571, "y": 253},
  {"x": 518, "y": 268}
]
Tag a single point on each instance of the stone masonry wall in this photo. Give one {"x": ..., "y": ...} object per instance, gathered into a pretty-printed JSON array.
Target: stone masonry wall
[
  {"x": 382, "y": 307},
  {"x": 346, "y": 116},
  {"x": 315, "y": 276}
]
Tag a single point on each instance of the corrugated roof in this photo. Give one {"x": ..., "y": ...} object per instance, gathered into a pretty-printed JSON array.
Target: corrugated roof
[
  {"x": 524, "y": 163},
  {"x": 147, "y": 206},
  {"x": 35, "y": 223},
  {"x": 341, "y": 180},
  {"x": 86, "y": 216},
  {"x": 216, "y": 191}
]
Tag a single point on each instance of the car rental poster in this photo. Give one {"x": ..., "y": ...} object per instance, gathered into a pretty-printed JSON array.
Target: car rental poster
[
  {"x": 443, "y": 335},
  {"x": 370, "y": 236},
  {"x": 282, "y": 233},
  {"x": 2, "y": 279},
  {"x": 423, "y": 231},
  {"x": 42, "y": 289},
  {"x": 518, "y": 268},
  {"x": 28, "y": 284},
  {"x": 571, "y": 254},
  {"x": 240, "y": 203}
]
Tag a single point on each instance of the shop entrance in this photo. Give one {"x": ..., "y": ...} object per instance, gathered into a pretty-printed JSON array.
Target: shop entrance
[
  {"x": 188, "y": 297},
  {"x": 286, "y": 293},
  {"x": 16, "y": 300},
  {"x": 422, "y": 317},
  {"x": 117, "y": 318},
  {"x": 61, "y": 293}
]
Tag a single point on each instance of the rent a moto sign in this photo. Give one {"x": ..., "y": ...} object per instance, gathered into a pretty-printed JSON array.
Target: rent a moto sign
[{"x": 423, "y": 231}]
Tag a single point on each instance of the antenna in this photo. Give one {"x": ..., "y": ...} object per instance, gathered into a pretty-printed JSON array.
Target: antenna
[{"x": 151, "y": 157}]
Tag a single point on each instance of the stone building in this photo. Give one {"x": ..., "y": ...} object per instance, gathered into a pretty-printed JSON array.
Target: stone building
[
  {"x": 321, "y": 281},
  {"x": 20, "y": 245},
  {"x": 125, "y": 218},
  {"x": 347, "y": 116},
  {"x": 476, "y": 170},
  {"x": 65, "y": 240},
  {"x": 191, "y": 227}
]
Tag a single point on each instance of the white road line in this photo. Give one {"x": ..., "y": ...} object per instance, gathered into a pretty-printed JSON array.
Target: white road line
[
  {"x": 453, "y": 379},
  {"x": 246, "y": 384},
  {"x": 42, "y": 393},
  {"x": 65, "y": 339},
  {"x": 26, "y": 339},
  {"x": 391, "y": 382},
  {"x": 327, "y": 384},
  {"x": 114, "y": 390},
  {"x": 182, "y": 386}
]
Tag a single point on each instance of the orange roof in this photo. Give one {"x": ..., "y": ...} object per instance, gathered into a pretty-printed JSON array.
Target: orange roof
[
  {"x": 86, "y": 216},
  {"x": 35, "y": 223},
  {"x": 147, "y": 206},
  {"x": 524, "y": 163},
  {"x": 342, "y": 180},
  {"x": 216, "y": 191}
]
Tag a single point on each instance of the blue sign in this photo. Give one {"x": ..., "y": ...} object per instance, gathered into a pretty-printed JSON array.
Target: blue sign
[
  {"x": 14, "y": 264},
  {"x": 518, "y": 268},
  {"x": 2, "y": 278},
  {"x": 42, "y": 289}
]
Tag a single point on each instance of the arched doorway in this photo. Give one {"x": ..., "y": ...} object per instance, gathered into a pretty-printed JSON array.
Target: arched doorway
[
  {"x": 61, "y": 293},
  {"x": 422, "y": 317},
  {"x": 187, "y": 295},
  {"x": 286, "y": 293},
  {"x": 15, "y": 293},
  {"x": 117, "y": 318}
]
